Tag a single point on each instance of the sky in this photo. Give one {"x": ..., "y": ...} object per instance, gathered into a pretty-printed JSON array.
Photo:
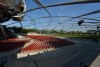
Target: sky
[{"x": 59, "y": 23}]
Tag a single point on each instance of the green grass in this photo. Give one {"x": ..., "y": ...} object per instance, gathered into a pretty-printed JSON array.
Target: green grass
[{"x": 87, "y": 36}]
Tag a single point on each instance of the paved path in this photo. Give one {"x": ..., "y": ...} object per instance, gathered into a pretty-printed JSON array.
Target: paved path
[
  {"x": 87, "y": 56},
  {"x": 96, "y": 63}
]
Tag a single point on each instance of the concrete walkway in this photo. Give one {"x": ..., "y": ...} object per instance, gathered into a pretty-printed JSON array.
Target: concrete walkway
[
  {"x": 87, "y": 57},
  {"x": 96, "y": 62}
]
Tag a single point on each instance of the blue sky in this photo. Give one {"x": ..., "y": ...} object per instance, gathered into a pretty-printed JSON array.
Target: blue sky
[{"x": 68, "y": 10}]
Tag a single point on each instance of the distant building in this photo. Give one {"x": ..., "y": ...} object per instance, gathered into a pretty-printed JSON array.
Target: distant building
[{"x": 93, "y": 31}]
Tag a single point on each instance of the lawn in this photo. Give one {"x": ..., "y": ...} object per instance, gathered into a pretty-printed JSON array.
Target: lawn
[{"x": 87, "y": 36}]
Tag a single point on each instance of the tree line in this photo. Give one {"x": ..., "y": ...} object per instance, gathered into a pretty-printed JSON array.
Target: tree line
[{"x": 43, "y": 31}]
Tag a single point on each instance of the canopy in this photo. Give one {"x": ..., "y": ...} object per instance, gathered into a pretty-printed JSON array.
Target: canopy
[{"x": 7, "y": 7}]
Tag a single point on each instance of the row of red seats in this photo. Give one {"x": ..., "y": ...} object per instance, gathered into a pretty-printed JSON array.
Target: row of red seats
[
  {"x": 38, "y": 37},
  {"x": 13, "y": 40},
  {"x": 8, "y": 46},
  {"x": 44, "y": 44},
  {"x": 36, "y": 46}
]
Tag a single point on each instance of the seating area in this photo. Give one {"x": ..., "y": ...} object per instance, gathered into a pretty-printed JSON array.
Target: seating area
[
  {"x": 11, "y": 44},
  {"x": 45, "y": 42},
  {"x": 33, "y": 43},
  {"x": 39, "y": 37}
]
